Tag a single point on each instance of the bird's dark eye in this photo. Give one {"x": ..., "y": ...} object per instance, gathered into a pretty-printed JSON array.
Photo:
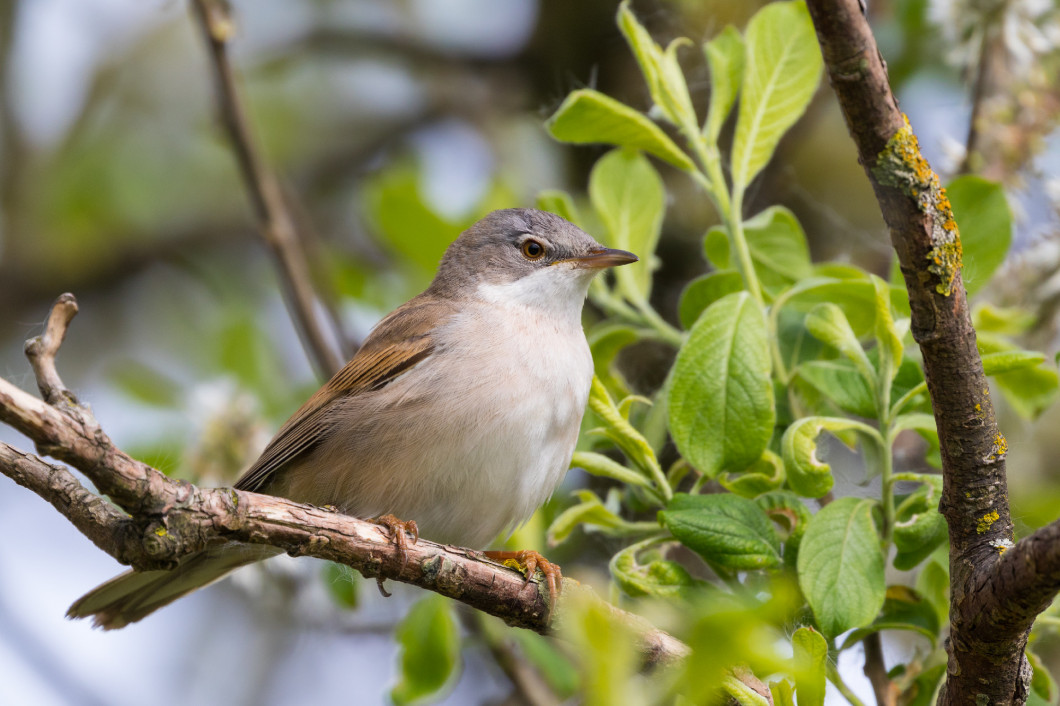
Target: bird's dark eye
[{"x": 533, "y": 250}]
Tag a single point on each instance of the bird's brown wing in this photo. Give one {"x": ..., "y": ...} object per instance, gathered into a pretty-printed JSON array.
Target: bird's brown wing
[{"x": 398, "y": 343}]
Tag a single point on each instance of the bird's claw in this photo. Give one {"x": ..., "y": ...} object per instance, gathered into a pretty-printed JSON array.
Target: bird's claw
[
  {"x": 530, "y": 561},
  {"x": 398, "y": 529}
]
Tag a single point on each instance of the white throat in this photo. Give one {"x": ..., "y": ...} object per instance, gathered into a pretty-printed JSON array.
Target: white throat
[{"x": 559, "y": 291}]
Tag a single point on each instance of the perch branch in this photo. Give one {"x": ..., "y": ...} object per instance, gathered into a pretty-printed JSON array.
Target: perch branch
[
  {"x": 985, "y": 666},
  {"x": 275, "y": 221},
  {"x": 169, "y": 519}
]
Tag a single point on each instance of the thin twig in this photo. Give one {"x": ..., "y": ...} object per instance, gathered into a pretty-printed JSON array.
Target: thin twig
[
  {"x": 274, "y": 218},
  {"x": 42, "y": 350},
  {"x": 979, "y": 88},
  {"x": 876, "y": 671}
]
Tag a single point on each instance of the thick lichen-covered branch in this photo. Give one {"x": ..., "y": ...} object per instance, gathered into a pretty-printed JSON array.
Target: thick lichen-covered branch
[{"x": 985, "y": 665}]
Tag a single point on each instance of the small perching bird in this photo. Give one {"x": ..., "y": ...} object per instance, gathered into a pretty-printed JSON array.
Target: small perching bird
[{"x": 459, "y": 413}]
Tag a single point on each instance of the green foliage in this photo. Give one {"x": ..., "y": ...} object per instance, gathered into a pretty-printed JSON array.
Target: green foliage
[
  {"x": 628, "y": 194},
  {"x": 811, "y": 660},
  {"x": 721, "y": 400},
  {"x": 777, "y": 350},
  {"x": 726, "y": 530},
  {"x": 841, "y": 566},
  {"x": 430, "y": 650},
  {"x": 781, "y": 72}
]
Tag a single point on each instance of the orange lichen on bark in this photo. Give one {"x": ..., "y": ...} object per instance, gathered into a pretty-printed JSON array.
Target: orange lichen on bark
[{"x": 902, "y": 166}]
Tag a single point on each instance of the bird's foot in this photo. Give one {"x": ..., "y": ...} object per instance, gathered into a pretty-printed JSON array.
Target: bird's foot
[
  {"x": 529, "y": 561},
  {"x": 398, "y": 529}
]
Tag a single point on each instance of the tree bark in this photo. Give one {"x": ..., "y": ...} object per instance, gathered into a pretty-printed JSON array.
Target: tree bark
[{"x": 996, "y": 590}]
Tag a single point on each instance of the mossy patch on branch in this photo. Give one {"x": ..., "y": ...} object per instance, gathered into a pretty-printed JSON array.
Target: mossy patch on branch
[{"x": 901, "y": 165}]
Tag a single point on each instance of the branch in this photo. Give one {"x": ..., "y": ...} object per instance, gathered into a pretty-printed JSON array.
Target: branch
[
  {"x": 925, "y": 236},
  {"x": 169, "y": 519},
  {"x": 275, "y": 222}
]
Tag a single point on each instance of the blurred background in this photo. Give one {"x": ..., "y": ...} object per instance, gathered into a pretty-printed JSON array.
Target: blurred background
[{"x": 393, "y": 125}]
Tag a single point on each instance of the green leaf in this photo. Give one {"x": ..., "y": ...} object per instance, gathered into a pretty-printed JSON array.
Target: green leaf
[
  {"x": 721, "y": 402},
  {"x": 783, "y": 693},
  {"x": 606, "y": 341},
  {"x": 661, "y": 70},
  {"x": 919, "y": 529},
  {"x": 589, "y": 511},
  {"x": 725, "y": 55},
  {"x": 342, "y": 584},
  {"x": 549, "y": 660},
  {"x": 807, "y": 476},
  {"x": 1006, "y": 321},
  {"x": 1029, "y": 390},
  {"x": 857, "y": 299},
  {"x": 410, "y": 227},
  {"x": 628, "y": 194},
  {"x": 660, "y": 578},
  {"x": 985, "y": 220},
  {"x": 841, "y": 566},
  {"x": 888, "y": 340},
  {"x": 933, "y": 583},
  {"x": 559, "y": 203},
  {"x": 726, "y": 530},
  {"x": 619, "y": 430},
  {"x": 903, "y": 609},
  {"x": 145, "y": 384},
  {"x": 602, "y": 466},
  {"x": 704, "y": 291},
  {"x": 829, "y": 325},
  {"x": 811, "y": 659},
  {"x": 840, "y": 381},
  {"x": 1042, "y": 682},
  {"x": 777, "y": 245},
  {"x": 430, "y": 650},
  {"x": 783, "y": 65},
  {"x": 590, "y": 117},
  {"x": 1005, "y": 362},
  {"x": 765, "y": 475}
]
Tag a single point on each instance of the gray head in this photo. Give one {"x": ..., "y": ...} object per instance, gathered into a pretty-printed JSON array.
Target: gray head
[{"x": 549, "y": 256}]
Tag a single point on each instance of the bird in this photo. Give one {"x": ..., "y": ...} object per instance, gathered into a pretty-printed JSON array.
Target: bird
[{"x": 459, "y": 413}]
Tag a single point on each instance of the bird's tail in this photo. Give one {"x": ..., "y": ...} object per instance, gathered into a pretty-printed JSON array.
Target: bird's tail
[{"x": 131, "y": 596}]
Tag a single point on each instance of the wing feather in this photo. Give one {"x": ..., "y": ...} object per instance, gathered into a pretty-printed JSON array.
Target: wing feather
[{"x": 401, "y": 341}]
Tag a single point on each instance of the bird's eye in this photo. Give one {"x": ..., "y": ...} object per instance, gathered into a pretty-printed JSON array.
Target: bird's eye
[{"x": 533, "y": 250}]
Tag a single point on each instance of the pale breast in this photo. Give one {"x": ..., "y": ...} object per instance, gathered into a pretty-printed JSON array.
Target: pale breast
[{"x": 470, "y": 441}]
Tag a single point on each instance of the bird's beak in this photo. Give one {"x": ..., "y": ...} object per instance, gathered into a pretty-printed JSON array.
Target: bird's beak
[{"x": 601, "y": 258}]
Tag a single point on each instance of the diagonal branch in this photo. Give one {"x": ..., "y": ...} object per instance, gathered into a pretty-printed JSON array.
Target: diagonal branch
[
  {"x": 169, "y": 519},
  {"x": 275, "y": 221},
  {"x": 985, "y": 666}
]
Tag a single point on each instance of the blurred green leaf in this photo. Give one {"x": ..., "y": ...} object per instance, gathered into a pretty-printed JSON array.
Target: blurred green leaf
[
  {"x": 559, "y": 203},
  {"x": 985, "y": 220},
  {"x": 341, "y": 584},
  {"x": 1030, "y": 391},
  {"x": 811, "y": 658},
  {"x": 721, "y": 401},
  {"x": 1006, "y": 321},
  {"x": 590, "y": 117},
  {"x": 628, "y": 195},
  {"x": 1006, "y": 362},
  {"x": 145, "y": 384},
  {"x": 430, "y": 650},
  {"x": 841, "y": 566},
  {"x": 725, "y": 55},
  {"x": 549, "y": 660},
  {"x": 903, "y": 609},
  {"x": 726, "y": 530},
  {"x": 783, "y": 66},
  {"x": 410, "y": 227},
  {"x": 1042, "y": 682}
]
